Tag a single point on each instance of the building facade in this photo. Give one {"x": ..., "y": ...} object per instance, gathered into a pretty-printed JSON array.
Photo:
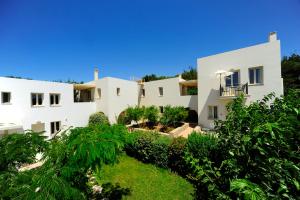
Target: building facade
[
  {"x": 254, "y": 71},
  {"x": 51, "y": 106}
]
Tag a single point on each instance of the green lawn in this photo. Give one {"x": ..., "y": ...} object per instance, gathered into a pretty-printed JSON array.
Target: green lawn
[{"x": 146, "y": 181}]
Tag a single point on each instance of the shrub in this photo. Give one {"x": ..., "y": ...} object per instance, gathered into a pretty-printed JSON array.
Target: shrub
[
  {"x": 201, "y": 145},
  {"x": 173, "y": 115},
  {"x": 98, "y": 118},
  {"x": 148, "y": 147},
  {"x": 192, "y": 91},
  {"x": 259, "y": 154},
  {"x": 134, "y": 113},
  {"x": 176, "y": 154},
  {"x": 18, "y": 149},
  {"x": 151, "y": 114}
]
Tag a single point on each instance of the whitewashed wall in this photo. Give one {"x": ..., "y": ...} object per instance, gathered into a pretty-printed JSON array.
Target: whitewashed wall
[
  {"x": 266, "y": 55},
  {"x": 112, "y": 104},
  {"x": 21, "y": 112},
  {"x": 171, "y": 94}
]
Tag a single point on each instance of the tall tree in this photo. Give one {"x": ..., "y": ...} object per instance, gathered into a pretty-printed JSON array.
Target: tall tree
[{"x": 290, "y": 69}]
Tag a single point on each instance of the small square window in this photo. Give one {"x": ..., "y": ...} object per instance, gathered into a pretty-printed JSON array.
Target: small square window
[
  {"x": 5, "y": 97},
  {"x": 54, "y": 99},
  {"x": 118, "y": 91},
  {"x": 212, "y": 112},
  {"x": 161, "y": 91},
  {"x": 37, "y": 99},
  {"x": 55, "y": 127},
  {"x": 256, "y": 75}
]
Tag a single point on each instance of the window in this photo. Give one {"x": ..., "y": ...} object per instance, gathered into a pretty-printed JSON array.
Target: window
[
  {"x": 5, "y": 97},
  {"x": 212, "y": 112},
  {"x": 55, "y": 127},
  {"x": 232, "y": 80},
  {"x": 37, "y": 99},
  {"x": 118, "y": 91},
  {"x": 161, "y": 109},
  {"x": 54, "y": 99},
  {"x": 99, "y": 93},
  {"x": 256, "y": 75},
  {"x": 142, "y": 92},
  {"x": 161, "y": 91}
]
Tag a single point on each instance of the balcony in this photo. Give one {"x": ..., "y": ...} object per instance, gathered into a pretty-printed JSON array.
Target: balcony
[
  {"x": 233, "y": 91},
  {"x": 84, "y": 93}
]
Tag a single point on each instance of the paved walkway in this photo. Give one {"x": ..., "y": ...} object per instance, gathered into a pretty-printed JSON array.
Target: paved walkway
[{"x": 186, "y": 132}]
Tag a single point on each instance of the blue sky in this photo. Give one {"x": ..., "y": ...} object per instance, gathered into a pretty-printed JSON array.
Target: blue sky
[{"x": 66, "y": 39}]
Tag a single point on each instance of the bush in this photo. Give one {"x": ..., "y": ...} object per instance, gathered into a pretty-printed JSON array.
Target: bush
[
  {"x": 172, "y": 116},
  {"x": 148, "y": 147},
  {"x": 201, "y": 145},
  {"x": 151, "y": 114},
  {"x": 98, "y": 118},
  {"x": 176, "y": 153},
  {"x": 259, "y": 152},
  {"x": 134, "y": 113}
]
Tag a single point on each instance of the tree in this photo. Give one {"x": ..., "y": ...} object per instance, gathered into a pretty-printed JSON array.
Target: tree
[
  {"x": 257, "y": 152},
  {"x": 190, "y": 74},
  {"x": 173, "y": 115},
  {"x": 290, "y": 69},
  {"x": 98, "y": 118},
  {"x": 134, "y": 113},
  {"x": 67, "y": 161},
  {"x": 151, "y": 114},
  {"x": 153, "y": 77}
]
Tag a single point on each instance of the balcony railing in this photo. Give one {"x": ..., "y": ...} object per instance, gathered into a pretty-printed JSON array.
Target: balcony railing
[{"x": 233, "y": 91}]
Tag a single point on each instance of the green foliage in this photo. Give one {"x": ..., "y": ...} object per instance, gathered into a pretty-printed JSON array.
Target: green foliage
[
  {"x": 258, "y": 143},
  {"x": 201, "y": 145},
  {"x": 172, "y": 116},
  {"x": 290, "y": 69},
  {"x": 151, "y": 114},
  {"x": 247, "y": 190},
  {"x": 176, "y": 156},
  {"x": 148, "y": 147},
  {"x": 66, "y": 162},
  {"x": 17, "y": 149},
  {"x": 192, "y": 91},
  {"x": 153, "y": 77},
  {"x": 190, "y": 74},
  {"x": 98, "y": 118},
  {"x": 123, "y": 119},
  {"x": 134, "y": 113}
]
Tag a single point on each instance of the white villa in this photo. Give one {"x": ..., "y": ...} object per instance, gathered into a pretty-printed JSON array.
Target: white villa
[{"x": 51, "y": 106}]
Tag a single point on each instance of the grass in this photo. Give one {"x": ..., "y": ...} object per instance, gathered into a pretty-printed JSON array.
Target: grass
[{"x": 146, "y": 181}]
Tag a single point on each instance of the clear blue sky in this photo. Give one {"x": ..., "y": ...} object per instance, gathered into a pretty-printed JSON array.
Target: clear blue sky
[{"x": 61, "y": 39}]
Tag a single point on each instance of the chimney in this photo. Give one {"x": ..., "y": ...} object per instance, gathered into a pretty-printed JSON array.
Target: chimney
[
  {"x": 272, "y": 36},
  {"x": 96, "y": 74}
]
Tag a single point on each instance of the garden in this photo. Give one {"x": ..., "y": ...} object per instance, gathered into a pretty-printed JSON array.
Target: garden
[
  {"x": 253, "y": 154},
  {"x": 151, "y": 118}
]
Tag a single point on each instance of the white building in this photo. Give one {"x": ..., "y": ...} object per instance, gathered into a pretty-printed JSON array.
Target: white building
[
  {"x": 255, "y": 71},
  {"x": 172, "y": 91},
  {"x": 51, "y": 106}
]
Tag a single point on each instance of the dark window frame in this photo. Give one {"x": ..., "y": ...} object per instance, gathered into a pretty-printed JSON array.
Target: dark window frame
[{"x": 8, "y": 101}]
